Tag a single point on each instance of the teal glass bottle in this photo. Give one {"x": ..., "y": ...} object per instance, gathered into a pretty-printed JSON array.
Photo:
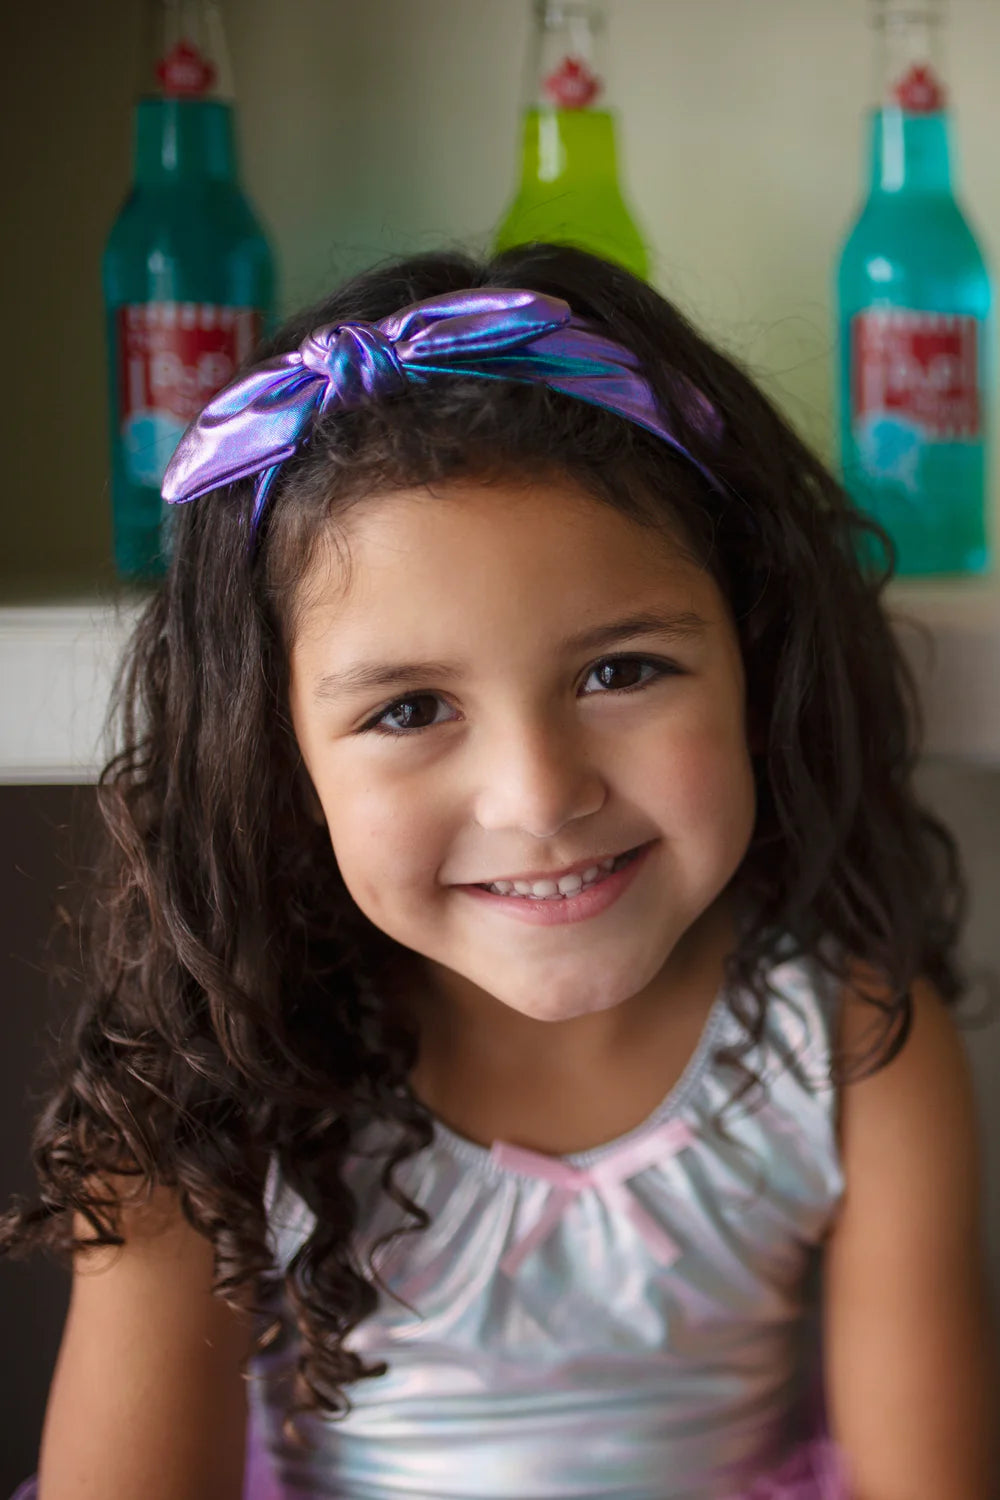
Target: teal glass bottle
[
  {"x": 915, "y": 321},
  {"x": 188, "y": 274}
]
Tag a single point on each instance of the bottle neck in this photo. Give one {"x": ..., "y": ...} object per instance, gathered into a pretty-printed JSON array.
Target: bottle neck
[
  {"x": 909, "y": 138},
  {"x": 184, "y": 140},
  {"x": 185, "y": 52},
  {"x": 910, "y": 153},
  {"x": 569, "y": 129},
  {"x": 569, "y": 145},
  {"x": 566, "y": 62},
  {"x": 184, "y": 116}
]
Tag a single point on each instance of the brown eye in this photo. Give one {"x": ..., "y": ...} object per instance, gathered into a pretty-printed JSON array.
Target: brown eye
[
  {"x": 613, "y": 669},
  {"x": 407, "y": 720}
]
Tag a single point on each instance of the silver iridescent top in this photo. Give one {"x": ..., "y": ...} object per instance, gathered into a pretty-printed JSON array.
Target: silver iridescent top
[{"x": 630, "y": 1321}]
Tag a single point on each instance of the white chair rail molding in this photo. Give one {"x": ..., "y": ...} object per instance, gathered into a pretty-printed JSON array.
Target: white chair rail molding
[{"x": 58, "y": 659}]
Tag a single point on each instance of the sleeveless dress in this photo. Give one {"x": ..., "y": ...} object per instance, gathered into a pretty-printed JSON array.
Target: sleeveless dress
[{"x": 633, "y": 1322}]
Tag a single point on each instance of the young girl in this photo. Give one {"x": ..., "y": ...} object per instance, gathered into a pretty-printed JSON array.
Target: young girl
[{"x": 515, "y": 1058}]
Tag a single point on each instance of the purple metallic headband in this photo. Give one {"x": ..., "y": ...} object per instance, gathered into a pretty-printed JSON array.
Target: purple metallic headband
[{"x": 263, "y": 417}]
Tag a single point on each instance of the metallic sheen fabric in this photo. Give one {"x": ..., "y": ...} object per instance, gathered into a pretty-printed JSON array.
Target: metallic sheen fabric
[
  {"x": 631, "y": 1321},
  {"x": 496, "y": 333}
]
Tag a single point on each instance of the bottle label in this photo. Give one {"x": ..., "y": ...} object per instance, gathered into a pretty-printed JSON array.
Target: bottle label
[
  {"x": 572, "y": 85},
  {"x": 914, "y": 381},
  {"x": 183, "y": 73},
  {"x": 919, "y": 91},
  {"x": 172, "y": 357}
]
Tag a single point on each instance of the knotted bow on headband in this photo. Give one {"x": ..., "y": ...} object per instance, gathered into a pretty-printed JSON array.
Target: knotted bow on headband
[{"x": 263, "y": 417}]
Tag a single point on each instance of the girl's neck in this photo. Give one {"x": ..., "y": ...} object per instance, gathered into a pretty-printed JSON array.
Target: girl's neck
[
  {"x": 462, "y": 1028},
  {"x": 568, "y": 1099}
]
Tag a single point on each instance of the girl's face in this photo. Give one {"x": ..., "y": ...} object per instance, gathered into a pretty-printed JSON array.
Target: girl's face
[{"x": 459, "y": 729}]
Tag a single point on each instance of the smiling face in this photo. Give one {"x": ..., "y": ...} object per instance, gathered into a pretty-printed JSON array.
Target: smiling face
[{"x": 522, "y": 749}]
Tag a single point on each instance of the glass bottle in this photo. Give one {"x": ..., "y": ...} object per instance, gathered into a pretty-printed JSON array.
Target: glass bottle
[
  {"x": 569, "y": 191},
  {"x": 188, "y": 275},
  {"x": 915, "y": 320}
]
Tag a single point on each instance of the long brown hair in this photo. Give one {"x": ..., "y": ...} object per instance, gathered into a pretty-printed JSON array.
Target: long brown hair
[{"x": 231, "y": 1011}]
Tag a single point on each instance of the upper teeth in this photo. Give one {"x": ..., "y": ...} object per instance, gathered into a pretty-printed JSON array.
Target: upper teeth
[{"x": 567, "y": 885}]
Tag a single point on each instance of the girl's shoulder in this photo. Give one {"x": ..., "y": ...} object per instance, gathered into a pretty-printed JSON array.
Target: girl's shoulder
[
  {"x": 144, "y": 1319},
  {"x": 907, "y": 1287}
]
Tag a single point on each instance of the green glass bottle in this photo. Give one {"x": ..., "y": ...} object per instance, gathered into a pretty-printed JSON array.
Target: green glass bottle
[{"x": 569, "y": 191}]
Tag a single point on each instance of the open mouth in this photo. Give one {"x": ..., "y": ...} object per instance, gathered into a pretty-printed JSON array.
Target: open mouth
[{"x": 569, "y": 885}]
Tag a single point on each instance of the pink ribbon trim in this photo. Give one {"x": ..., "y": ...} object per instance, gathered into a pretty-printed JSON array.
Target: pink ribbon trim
[{"x": 608, "y": 1175}]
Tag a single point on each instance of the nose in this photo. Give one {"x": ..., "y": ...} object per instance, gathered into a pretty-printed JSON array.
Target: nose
[{"x": 537, "y": 778}]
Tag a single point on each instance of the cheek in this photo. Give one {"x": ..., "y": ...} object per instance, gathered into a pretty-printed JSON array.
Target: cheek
[
  {"x": 384, "y": 843},
  {"x": 703, "y": 778}
]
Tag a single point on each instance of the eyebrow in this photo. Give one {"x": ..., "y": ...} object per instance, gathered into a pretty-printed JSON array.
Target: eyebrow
[{"x": 366, "y": 676}]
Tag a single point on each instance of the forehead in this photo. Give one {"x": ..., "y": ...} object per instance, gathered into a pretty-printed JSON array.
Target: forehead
[{"x": 466, "y": 550}]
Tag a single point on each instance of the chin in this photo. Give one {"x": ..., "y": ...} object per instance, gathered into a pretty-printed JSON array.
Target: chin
[{"x": 562, "y": 1002}]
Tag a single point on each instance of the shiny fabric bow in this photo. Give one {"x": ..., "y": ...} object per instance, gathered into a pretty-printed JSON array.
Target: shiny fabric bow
[{"x": 261, "y": 419}]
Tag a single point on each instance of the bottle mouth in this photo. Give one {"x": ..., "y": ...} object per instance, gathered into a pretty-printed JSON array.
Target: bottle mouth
[
  {"x": 904, "y": 12},
  {"x": 556, "y": 13},
  {"x": 185, "y": 53}
]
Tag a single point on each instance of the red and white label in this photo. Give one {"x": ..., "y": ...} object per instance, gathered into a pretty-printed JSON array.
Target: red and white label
[
  {"x": 184, "y": 73},
  {"x": 920, "y": 91},
  {"x": 917, "y": 366},
  {"x": 172, "y": 356},
  {"x": 572, "y": 85}
]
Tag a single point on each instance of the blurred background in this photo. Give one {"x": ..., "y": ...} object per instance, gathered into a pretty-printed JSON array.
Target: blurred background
[
  {"x": 381, "y": 128},
  {"x": 391, "y": 126}
]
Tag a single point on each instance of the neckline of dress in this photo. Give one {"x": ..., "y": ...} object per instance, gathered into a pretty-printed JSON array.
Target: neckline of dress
[{"x": 480, "y": 1157}]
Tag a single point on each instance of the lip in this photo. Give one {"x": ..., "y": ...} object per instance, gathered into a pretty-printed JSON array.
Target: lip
[
  {"x": 588, "y": 902},
  {"x": 532, "y": 875}
]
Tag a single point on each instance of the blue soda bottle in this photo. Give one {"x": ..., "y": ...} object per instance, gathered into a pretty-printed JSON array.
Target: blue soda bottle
[
  {"x": 915, "y": 321},
  {"x": 188, "y": 276}
]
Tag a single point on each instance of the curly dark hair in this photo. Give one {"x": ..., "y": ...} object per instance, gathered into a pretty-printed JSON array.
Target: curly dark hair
[{"x": 232, "y": 1009}]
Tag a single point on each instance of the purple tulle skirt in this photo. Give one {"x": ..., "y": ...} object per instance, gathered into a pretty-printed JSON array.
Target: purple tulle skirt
[
  {"x": 813, "y": 1471},
  {"x": 815, "y": 1467}
]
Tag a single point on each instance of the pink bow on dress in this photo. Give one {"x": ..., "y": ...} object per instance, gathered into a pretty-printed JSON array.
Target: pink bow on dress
[{"x": 608, "y": 1175}]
